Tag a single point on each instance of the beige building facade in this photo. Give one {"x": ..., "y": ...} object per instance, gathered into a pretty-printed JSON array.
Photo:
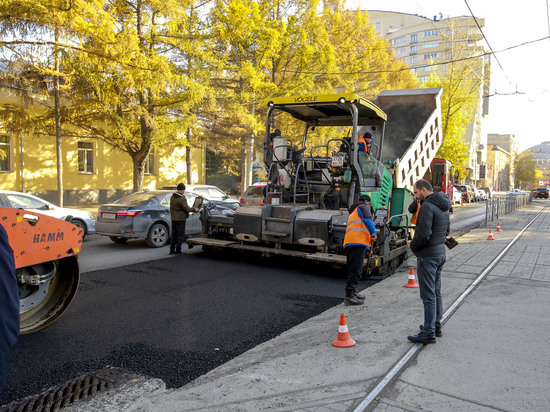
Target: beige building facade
[
  {"x": 93, "y": 171},
  {"x": 426, "y": 45},
  {"x": 507, "y": 147}
]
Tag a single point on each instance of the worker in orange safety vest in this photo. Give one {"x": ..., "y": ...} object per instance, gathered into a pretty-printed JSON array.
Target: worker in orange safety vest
[
  {"x": 365, "y": 142},
  {"x": 360, "y": 232}
]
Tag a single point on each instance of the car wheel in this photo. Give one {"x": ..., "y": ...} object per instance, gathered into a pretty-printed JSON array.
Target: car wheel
[
  {"x": 158, "y": 235},
  {"x": 118, "y": 239},
  {"x": 81, "y": 225}
]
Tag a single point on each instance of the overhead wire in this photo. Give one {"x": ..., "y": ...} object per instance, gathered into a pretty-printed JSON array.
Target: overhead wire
[
  {"x": 452, "y": 41},
  {"x": 426, "y": 65},
  {"x": 487, "y": 41}
]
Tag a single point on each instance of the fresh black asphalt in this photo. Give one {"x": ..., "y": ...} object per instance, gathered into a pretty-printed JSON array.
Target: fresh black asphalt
[{"x": 173, "y": 319}]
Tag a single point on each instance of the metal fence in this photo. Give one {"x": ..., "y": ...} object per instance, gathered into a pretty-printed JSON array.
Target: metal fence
[{"x": 500, "y": 206}]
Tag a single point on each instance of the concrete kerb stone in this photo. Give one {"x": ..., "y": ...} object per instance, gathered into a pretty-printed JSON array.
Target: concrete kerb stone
[{"x": 301, "y": 368}]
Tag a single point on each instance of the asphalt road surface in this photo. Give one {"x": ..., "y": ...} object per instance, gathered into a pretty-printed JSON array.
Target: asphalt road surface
[{"x": 173, "y": 319}]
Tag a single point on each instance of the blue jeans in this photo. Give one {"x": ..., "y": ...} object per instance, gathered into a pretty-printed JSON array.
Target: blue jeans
[{"x": 429, "y": 280}]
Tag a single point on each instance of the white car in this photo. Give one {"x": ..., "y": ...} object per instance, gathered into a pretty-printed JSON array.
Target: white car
[
  {"x": 457, "y": 195},
  {"x": 481, "y": 194},
  {"x": 19, "y": 200},
  {"x": 253, "y": 195}
]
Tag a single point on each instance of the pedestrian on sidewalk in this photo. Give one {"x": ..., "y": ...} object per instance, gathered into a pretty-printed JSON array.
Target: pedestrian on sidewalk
[
  {"x": 428, "y": 245},
  {"x": 360, "y": 232},
  {"x": 179, "y": 212}
]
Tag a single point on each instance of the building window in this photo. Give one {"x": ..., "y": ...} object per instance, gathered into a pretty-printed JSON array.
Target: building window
[
  {"x": 377, "y": 26},
  {"x": 414, "y": 49},
  {"x": 150, "y": 163},
  {"x": 413, "y": 59},
  {"x": 85, "y": 157},
  {"x": 431, "y": 45},
  {"x": 429, "y": 56},
  {"x": 414, "y": 38},
  {"x": 430, "y": 33},
  {"x": 398, "y": 40},
  {"x": 5, "y": 153}
]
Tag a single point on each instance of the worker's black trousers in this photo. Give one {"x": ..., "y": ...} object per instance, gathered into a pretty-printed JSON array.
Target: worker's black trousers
[
  {"x": 178, "y": 236},
  {"x": 355, "y": 255}
]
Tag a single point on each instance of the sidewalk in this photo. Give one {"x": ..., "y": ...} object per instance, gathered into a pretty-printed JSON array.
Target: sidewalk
[{"x": 493, "y": 354}]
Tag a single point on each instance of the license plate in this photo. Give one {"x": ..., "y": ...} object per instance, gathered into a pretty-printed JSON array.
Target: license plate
[
  {"x": 337, "y": 161},
  {"x": 108, "y": 216}
]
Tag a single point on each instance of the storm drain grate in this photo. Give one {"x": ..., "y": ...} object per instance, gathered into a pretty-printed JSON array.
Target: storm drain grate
[{"x": 61, "y": 396}]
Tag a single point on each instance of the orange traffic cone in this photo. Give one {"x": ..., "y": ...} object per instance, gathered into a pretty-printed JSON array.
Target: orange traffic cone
[
  {"x": 498, "y": 228},
  {"x": 412, "y": 281},
  {"x": 491, "y": 237},
  {"x": 343, "y": 340}
]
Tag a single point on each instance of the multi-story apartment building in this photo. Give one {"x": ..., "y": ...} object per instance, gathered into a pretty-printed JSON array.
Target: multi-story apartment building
[
  {"x": 428, "y": 45},
  {"x": 508, "y": 144}
]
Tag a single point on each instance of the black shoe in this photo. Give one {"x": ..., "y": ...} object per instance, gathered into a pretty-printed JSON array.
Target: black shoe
[
  {"x": 172, "y": 252},
  {"x": 422, "y": 337},
  {"x": 360, "y": 296},
  {"x": 353, "y": 301},
  {"x": 438, "y": 332}
]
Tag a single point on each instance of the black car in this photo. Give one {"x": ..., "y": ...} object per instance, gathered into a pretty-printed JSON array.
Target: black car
[
  {"x": 541, "y": 192},
  {"x": 147, "y": 215}
]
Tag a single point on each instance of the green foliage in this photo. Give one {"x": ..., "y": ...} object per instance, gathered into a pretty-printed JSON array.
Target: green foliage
[
  {"x": 525, "y": 170},
  {"x": 143, "y": 74}
]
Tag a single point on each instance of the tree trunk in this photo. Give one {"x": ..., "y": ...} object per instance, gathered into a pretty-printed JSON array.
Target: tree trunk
[
  {"x": 138, "y": 173},
  {"x": 188, "y": 162},
  {"x": 59, "y": 152}
]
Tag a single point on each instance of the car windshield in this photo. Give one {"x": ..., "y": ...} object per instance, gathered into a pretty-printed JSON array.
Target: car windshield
[
  {"x": 136, "y": 198},
  {"x": 462, "y": 188},
  {"x": 25, "y": 202}
]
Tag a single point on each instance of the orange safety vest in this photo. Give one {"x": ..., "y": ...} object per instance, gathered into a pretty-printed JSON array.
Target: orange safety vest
[
  {"x": 361, "y": 139},
  {"x": 356, "y": 231},
  {"x": 414, "y": 217}
]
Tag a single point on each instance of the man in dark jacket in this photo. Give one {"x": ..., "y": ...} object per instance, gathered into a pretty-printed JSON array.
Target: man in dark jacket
[
  {"x": 428, "y": 245},
  {"x": 9, "y": 305},
  {"x": 179, "y": 212}
]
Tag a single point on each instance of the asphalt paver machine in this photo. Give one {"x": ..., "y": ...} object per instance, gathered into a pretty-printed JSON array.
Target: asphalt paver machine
[{"x": 314, "y": 178}]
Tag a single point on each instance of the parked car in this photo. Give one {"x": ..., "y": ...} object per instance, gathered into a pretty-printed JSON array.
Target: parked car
[
  {"x": 468, "y": 193},
  {"x": 209, "y": 192},
  {"x": 212, "y": 193},
  {"x": 481, "y": 195},
  {"x": 253, "y": 195},
  {"x": 489, "y": 191},
  {"x": 457, "y": 195},
  {"x": 541, "y": 192},
  {"x": 147, "y": 215},
  {"x": 19, "y": 200},
  {"x": 517, "y": 192}
]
